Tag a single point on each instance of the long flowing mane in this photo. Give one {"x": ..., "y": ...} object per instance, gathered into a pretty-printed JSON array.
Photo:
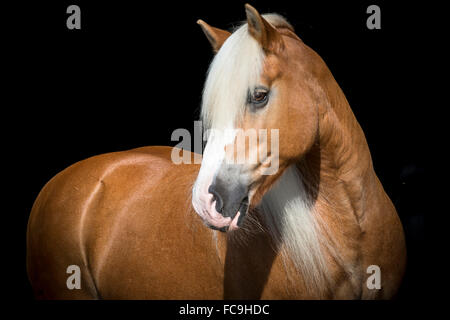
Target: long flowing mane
[
  {"x": 286, "y": 208},
  {"x": 293, "y": 224}
]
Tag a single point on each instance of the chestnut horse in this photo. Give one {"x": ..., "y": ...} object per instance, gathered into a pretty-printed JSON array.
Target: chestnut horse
[{"x": 140, "y": 226}]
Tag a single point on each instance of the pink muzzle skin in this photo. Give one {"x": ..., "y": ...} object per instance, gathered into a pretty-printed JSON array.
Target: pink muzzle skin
[{"x": 214, "y": 219}]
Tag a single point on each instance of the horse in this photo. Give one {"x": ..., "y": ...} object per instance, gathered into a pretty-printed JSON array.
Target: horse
[{"x": 137, "y": 225}]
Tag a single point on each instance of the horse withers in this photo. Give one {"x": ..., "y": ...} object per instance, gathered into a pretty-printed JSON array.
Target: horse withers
[{"x": 139, "y": 226}]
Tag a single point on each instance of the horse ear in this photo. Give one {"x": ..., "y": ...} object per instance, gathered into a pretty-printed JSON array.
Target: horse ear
[
  {"x": 215, "y": 36},
  {"x": 267, "y": 36}
]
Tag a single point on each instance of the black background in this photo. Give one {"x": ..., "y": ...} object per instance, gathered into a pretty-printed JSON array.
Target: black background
[{"x": 135, "y": 72}]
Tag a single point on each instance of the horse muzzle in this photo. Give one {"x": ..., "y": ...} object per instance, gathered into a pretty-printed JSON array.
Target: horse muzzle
[
  {"x": 224, "y": 205},
  {"x": 231, "y": 199}
]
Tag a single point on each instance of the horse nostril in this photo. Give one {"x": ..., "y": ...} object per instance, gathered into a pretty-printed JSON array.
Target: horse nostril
[{"x": 217, "y": 198}]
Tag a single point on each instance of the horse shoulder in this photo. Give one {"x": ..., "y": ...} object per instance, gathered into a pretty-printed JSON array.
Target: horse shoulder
[{"x": 384, "y": 244}]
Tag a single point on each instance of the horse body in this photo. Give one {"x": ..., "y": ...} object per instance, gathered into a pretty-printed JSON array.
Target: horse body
[
  {"x": 310, "y": 231},
  {"x": 104, "y": 214}
]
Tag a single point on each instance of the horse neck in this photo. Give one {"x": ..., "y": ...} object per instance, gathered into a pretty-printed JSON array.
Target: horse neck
[
  {"x": 338, "y": 175},
  {"x": 338, "y": 170}
]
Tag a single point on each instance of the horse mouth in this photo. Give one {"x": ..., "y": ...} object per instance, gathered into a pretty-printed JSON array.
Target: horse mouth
[{"x": 236, "y": 221}]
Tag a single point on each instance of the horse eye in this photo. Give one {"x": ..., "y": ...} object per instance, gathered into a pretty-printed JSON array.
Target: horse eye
[{"x": 259, "y": 97}]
